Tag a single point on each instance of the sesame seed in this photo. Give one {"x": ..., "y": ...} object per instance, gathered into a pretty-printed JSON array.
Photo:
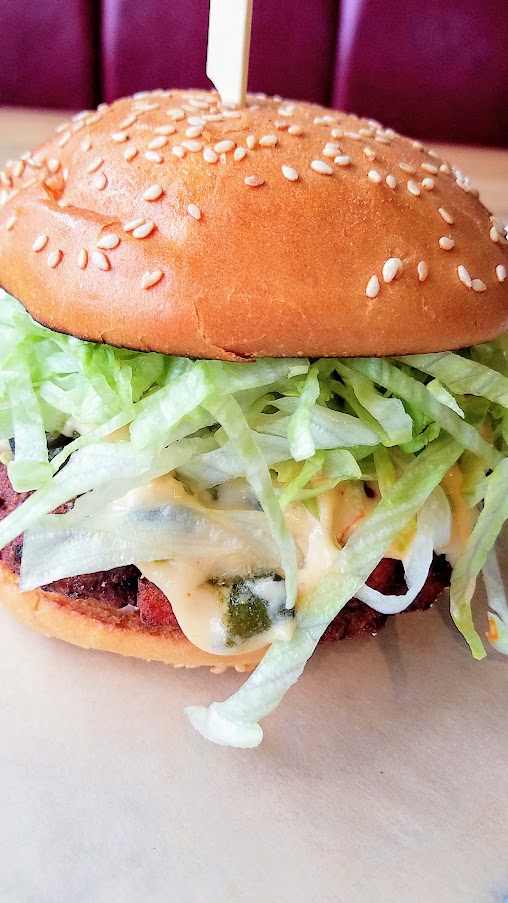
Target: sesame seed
[
  {"x": 83, "y": 259},
  {"x": 445, "y": 168},
  {"x": 288, "y": 110},
  {"x": 498, "y": 225},
  {"x": 213, "y": 117},
  {"x": 418, "y": 145},
  {"x": 423, "y": 271},
  {"x": 406, "y": 167},
  {"x": 289, "y": 173},
  {"x": 337, "y": 133},
  {"x": 153, "y": 193},
  {"x": 382, "y": 139},
  {"x": 165, "y": 130},
  {"x": 53, "y": 165},
  {"x": 321, "y": 167},
  {"x": 355, "y": 136},
  {"x": 108, "y": 242},
  {"x": 448, "y": 218},
  {"x": 199, "y": 103},
  {"x": 19, "y": 169},
  {"x": 176, "y": 115},
  {"x": 280, "y": 124},
  {"x": 100, "y": 261},
  {"x": 342, "y": 160},
  {"x": 374, "y": 176},
  {"x": 464, "y": 276},
  {"x": 296, "y": 130},
  {"x": 391, "y": 268},
  {"x": 194, "y": 131},
  {"x": 178, "y": 151},
  {"x": 40, "y": 242},
  {"x": 119, "y": 137},
  {"x": 413, "y": 188},
  {"x": 11, "y": 222},
  {"x": 501, "y": 272},
  {"x": 369, "y": 153},
  {"x": 209, "y": 155},
  {"x": 331, "y": 149},
  {"x": 222, "y": 147},
  {"x": 428, "y": 184},
  {"x": 253, "y": 181},
  {"x": 129, "y": 153},
  {"x": 158, "y": 142},
  {"x": 86, "y": 144},
  {"x": 101, "y": 181},
  {"x": 194, "y": 211},
  {"x": 446, "y": 243},
  {"x": 61, "y": 128},
  {"x": 268, "y": 141},
  {"x": 54, "y": 259},
  {"x": 430, "y": 168},
  {"x": 192, "y": 145},
  {"x": 250, "y": 141},
  {"x": 128, "y": 121},
  {"x": 239, "y": 154},
  {"x": 133, "y": 224},
  {"x": 65, "y": 139},
  {"x": 153, "y": 156},
  {"x": 478, "y": 286},
  {"x": 365, "y": 133},
  {"x": 95, "y": 165},
  {"x": 196, "y": 121},
  {"x": 372, "y": 290},
  {"x": 391, "y": 181},
  {"x": 143, "y": 230},
  {"x": 150, "y": 279}
]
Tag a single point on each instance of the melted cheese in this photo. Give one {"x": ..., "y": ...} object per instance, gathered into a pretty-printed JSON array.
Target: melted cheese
[{"x": 200, "y": 606}]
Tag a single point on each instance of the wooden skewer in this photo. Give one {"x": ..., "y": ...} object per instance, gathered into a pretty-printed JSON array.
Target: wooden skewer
[{"x": 229, "y": 33}]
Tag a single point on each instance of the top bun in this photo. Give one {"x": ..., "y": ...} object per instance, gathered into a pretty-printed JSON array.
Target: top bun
[{"x": 169, "y": 222}]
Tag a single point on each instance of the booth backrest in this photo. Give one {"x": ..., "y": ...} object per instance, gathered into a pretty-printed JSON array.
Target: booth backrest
[{"x": 436, "y": 70}]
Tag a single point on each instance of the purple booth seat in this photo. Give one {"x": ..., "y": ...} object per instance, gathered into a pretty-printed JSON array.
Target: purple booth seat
[
  {"x": 437, "y": 69},
  {"x": 150, "y": 44},
  {"x": 47, "y": 53}
]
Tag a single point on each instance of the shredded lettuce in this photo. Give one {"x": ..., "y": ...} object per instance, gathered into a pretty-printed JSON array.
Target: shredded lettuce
[
  {"x": 471, "y": 562},
  {"x": 496, "y": 595},
  {"x": 235, "y": 721},
  {"x": 293, "y": 429}
]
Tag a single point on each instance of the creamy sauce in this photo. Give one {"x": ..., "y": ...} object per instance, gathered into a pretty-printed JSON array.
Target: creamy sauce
[
  {"x": 463, "y": 518},
  {"x": 199, "y": 605}
]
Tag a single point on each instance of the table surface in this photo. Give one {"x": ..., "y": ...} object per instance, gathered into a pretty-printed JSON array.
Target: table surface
[{"x": 382, "y": 775}]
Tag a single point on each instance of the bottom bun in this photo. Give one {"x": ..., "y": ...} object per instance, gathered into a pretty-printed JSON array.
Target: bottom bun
[{"x": 94, "y": 625}]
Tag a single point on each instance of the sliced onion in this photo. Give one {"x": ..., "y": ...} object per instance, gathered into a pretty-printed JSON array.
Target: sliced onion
[{"x": 432, "y": 532}]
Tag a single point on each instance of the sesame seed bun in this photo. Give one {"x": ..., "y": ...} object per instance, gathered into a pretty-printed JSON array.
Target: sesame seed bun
[
  {"x": 164, "y": 222},
  {"x": 92, "y": 625}
]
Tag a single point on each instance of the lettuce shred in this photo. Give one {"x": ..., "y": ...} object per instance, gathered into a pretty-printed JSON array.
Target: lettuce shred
[{"x": 293, "y": 429}]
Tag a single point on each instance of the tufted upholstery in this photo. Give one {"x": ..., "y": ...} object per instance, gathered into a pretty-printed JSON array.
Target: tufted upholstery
[
  {"x": 47, "y": 55},
  {"x": 153, "y": 44},
  {"x": 436, "y": 70}
]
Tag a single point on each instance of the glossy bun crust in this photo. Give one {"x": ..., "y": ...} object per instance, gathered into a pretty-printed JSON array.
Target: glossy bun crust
[
  {"x": 165, "y": 222},
  {"x": 94, "y": 625}
]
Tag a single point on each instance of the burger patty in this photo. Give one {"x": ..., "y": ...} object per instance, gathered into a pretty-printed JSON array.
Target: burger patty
[{"x": 124, "y": 586}]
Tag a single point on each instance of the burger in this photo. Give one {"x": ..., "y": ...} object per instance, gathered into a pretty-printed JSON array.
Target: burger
[{"x": 253, "y": 388}]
